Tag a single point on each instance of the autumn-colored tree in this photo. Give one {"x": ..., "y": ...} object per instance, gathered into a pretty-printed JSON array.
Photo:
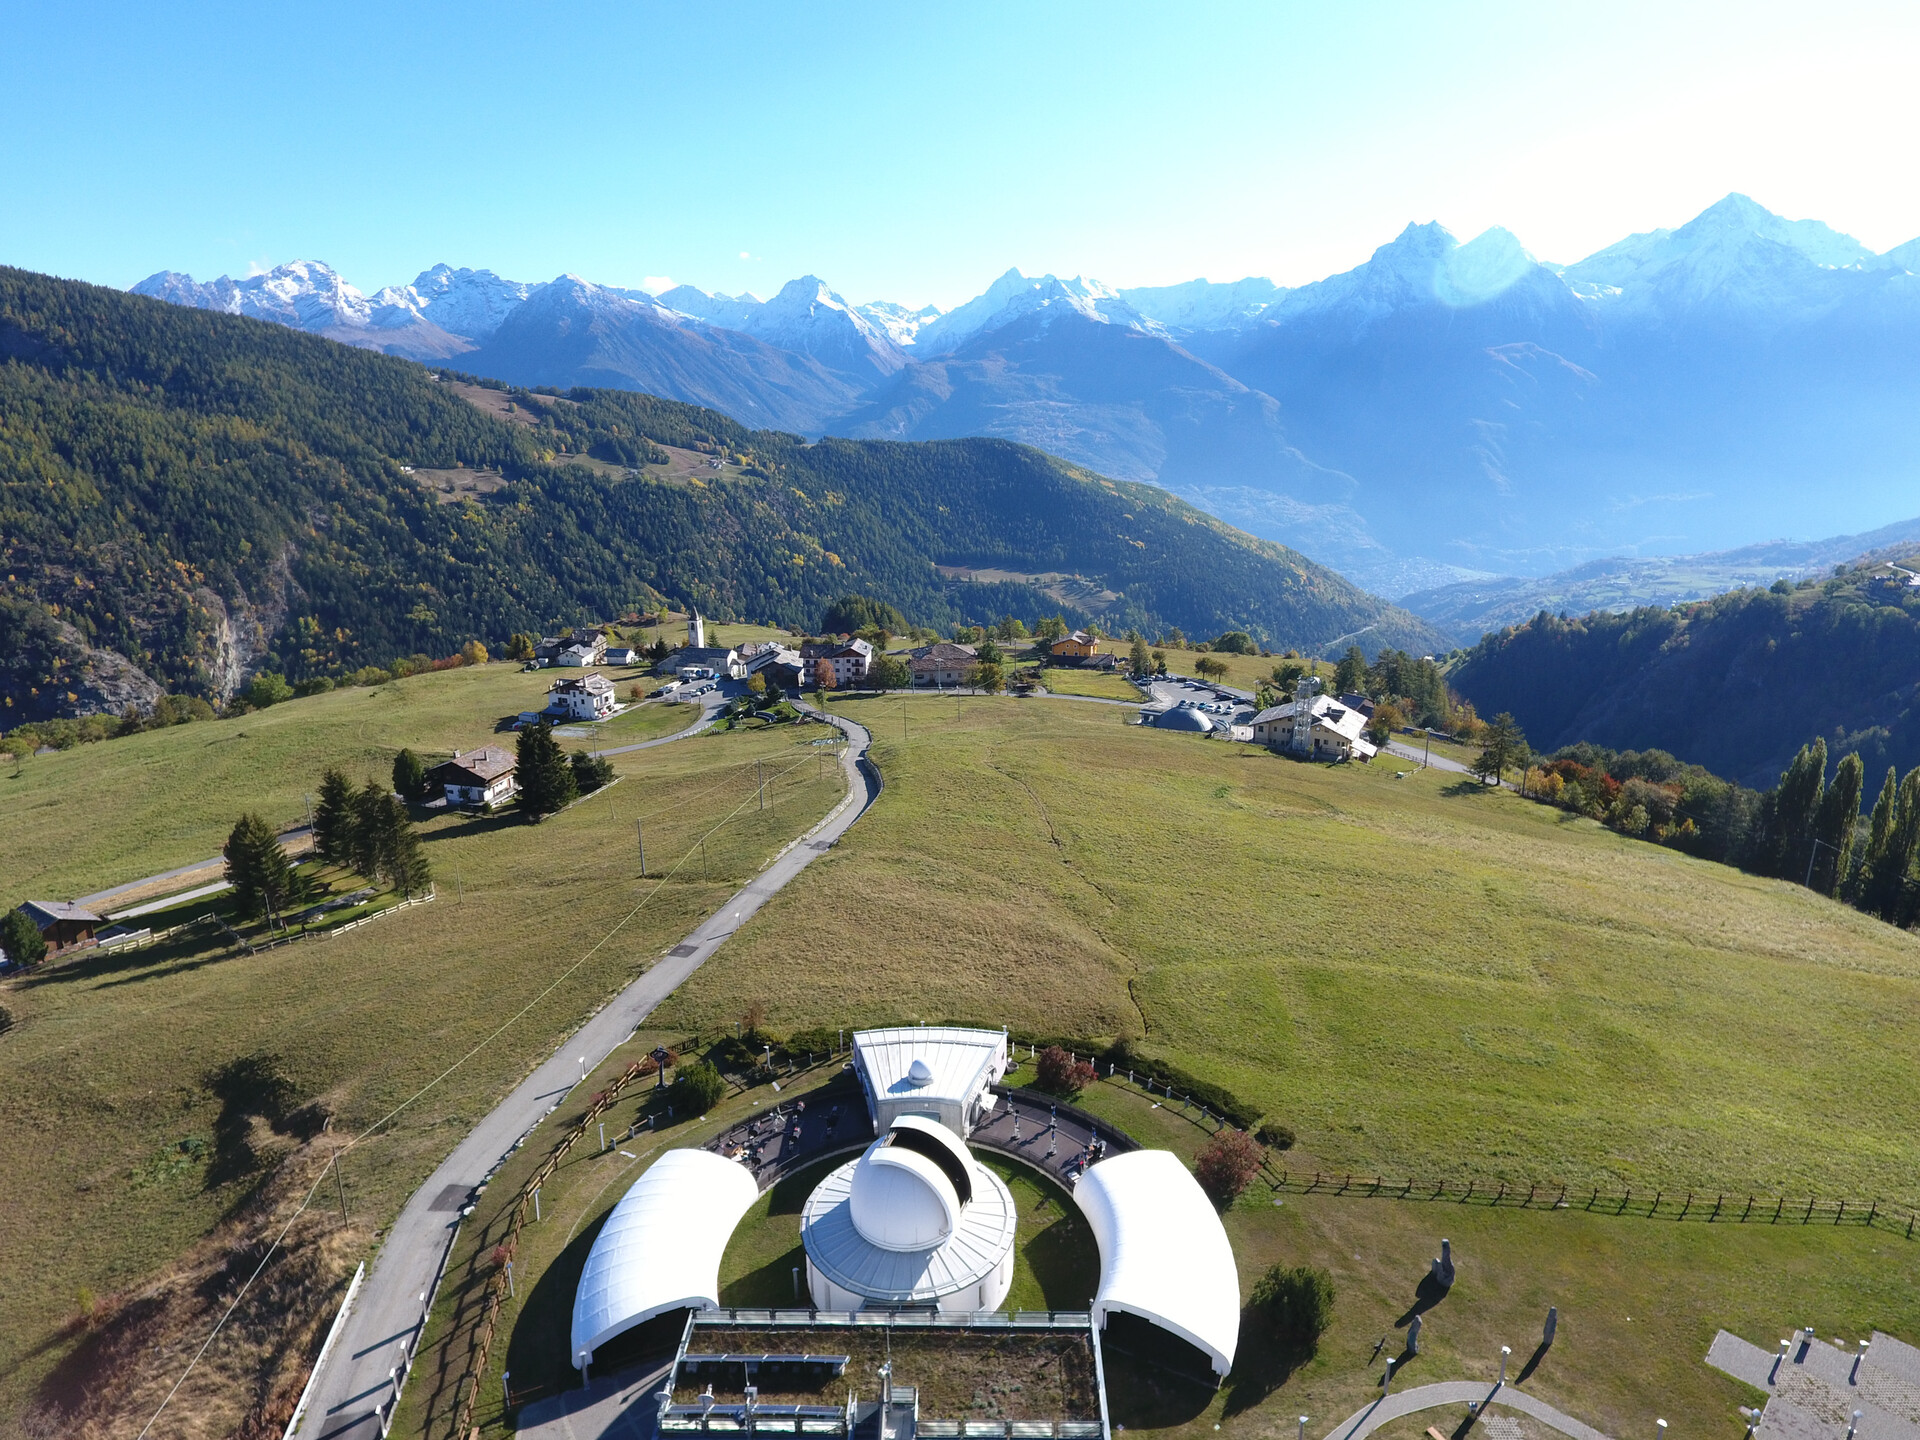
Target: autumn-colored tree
[
  {"x": 1227, "y": 1164},
  {"x": 1058, "y": 1071}
]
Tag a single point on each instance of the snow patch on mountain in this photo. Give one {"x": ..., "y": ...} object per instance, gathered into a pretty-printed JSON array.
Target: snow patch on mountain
[
  {"x": 730, "y": 311},
  {"x": 302, "y": 293},
  {"x": 809, "y": 317},
  {"x": 1203, "y": 305}
]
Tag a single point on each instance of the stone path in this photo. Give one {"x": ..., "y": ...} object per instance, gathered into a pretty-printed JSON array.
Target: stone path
[{"x": 1459, "y": 1393}]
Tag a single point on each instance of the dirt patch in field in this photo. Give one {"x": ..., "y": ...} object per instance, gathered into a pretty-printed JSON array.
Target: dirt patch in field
[{"x": 451, "y": 486}]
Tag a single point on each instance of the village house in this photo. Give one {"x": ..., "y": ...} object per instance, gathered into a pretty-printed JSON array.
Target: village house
[
  {"x": 583, "y": 647},
  {"x": 1314, "y": 727},
  {"x": 62, "y": 924},
  {"x": 942, "y": 665},
  {"x": 779, "y": 664},
  {"x": 850, "y": 659},
  {"x": 621, "y": 655},
  {"x": 1079, "y": 649},
  {"x": 477, "y": 777},
  {"x": 590, "y": 697}
]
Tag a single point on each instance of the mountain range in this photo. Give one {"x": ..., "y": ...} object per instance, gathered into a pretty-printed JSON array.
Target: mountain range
[
  {"x": 188, "y": 498},
  {"x": 1443, "y": 412}
]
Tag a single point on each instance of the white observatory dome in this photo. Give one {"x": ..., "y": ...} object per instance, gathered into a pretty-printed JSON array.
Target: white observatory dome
[
  {"x": 920, "y": 1073},
  {"x": 901, "y": 1200}
]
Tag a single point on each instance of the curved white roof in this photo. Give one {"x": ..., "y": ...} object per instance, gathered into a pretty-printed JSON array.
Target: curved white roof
[
  {"x": 660, "y": 1248},
  {"x": 1164, "y": 1255}
]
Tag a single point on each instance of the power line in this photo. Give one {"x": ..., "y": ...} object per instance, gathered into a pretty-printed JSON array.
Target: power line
[{"x": 392, "y": 1114}]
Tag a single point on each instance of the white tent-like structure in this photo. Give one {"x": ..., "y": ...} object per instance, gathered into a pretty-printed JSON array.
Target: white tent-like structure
[
  {"x": 1164, "y": 1255},
  {"x": 660, "y": 1248}
]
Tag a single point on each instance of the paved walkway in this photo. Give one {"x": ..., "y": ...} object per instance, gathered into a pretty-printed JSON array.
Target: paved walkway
[
  {"x": 605, "y": 1409},
  {"x": 386, "y": 1318},
  {"x": 1457, "y": 1393}
]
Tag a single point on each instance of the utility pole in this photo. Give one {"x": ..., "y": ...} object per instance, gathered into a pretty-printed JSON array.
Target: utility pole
[
  {"x": 760, "y": 781},
  {"x": 640, "y": 832},
  {"x": 1427, "y": 759},
  {"x": 339, "y": 1187}
]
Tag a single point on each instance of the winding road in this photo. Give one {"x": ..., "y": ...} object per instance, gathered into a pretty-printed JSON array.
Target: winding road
[{"x": 355, "y": 1383}]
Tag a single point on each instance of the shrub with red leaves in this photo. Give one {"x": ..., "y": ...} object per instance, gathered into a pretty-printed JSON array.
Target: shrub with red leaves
[
  {"x": 1061, "y": 1073},
  {"x": 1227, "y": 1165}
]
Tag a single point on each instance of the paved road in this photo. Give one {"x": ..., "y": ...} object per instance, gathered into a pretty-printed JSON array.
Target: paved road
[
  {"x": 711, "y": 704},
  {"x": 1407, "y": 750},
  {"x": 100, "y": 899},
  {"x": 1457, "y": 1392},
  {"x": 349, "y": 1394}
]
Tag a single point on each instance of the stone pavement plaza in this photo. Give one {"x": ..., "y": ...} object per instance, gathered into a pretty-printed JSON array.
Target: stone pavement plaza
[{"x": 1813, "y": 1388}]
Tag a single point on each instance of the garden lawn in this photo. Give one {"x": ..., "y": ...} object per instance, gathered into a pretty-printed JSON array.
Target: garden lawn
[{"x": 1102, "y": 685}]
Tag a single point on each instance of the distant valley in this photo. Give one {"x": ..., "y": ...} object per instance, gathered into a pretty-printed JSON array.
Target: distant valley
[{"x": 1442, "y": 413}]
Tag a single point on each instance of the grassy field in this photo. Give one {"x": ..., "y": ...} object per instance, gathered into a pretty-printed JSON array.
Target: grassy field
[
  {"x": 1422, "y": 977},
  {"x": 1096, "y": 683},
  {"x": 1244, "y": 672},
  {"x": 119, "y": 1155}
]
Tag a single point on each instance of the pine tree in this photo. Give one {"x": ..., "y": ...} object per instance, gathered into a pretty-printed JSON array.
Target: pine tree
[
  {"x": 1833, "y": 827},
  {"x": 546, "y": 779},
  {"x": 21, "y": 939},
  {"x": 257, "y": 868},
  {"x": 1140, "y": 661},
  {"x": 1350, "y": 677},
  {"x": 363, "y": 836},
  {"x": 333, "y": 819},
  {"x": 1505, "y": 746},
  {"x": 409, "y": 775}
]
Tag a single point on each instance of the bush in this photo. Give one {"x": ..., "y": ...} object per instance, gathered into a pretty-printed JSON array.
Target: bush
[
  {"x": 1058, "y": 1072},
  {"x": 1274, "y": 1135},
  {"x": 1237, "y": 642},
  {"x": 1227, "y": 1164},
  {"x": 1297, "y": 1302},
  {"x": 269, "y": 687},
  {"x": 696, "y": 1089},
  {"x": 590, "y": 772},
  {"x": 817, "y": 1041},
  {"x": 313, "y": 685},
  {"x": 21, "y": 939}
]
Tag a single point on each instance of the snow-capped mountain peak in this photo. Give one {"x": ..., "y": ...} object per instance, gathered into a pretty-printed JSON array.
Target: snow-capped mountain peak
[
  {"x": 1014, "y": 296},
  {"x": 806, "y": 315},
  {"x": 303, "y": 293},
  {"x": 1203, "y": 305},
  {"x": 464, "y": 302},
  {"x": 1734, "y": 249},
  {"x": 729, "y": 311},
  {"x": 896, "y": 322}
]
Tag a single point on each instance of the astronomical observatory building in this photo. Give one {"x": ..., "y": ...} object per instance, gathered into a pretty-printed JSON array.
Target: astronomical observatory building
[{"x": 910, "y": 1228}]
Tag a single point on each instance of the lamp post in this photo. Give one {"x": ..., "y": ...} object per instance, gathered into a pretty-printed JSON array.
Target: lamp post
[
  {"x": 1303, "y": 1427},
  {"x": 1505, "y": 1351}
]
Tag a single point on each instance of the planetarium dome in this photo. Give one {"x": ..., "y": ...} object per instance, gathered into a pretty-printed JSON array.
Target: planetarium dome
[{"x": 1184, "y": 717}]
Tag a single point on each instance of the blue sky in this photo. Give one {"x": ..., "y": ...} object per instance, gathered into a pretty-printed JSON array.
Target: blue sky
[{"x": 913, "y": 152}]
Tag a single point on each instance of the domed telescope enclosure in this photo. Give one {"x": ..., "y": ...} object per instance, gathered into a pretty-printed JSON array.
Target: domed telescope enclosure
[
  {"x": 915, "y": 1223},
  {"x": 1184, "y": 717}
]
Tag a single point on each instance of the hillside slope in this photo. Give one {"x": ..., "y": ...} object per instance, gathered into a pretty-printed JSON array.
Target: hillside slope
[
  {"x": 1737, "y": 683},
  {"x": 207, "y": 495}
]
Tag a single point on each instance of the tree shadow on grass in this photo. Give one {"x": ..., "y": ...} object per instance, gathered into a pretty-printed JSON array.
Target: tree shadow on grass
[
  {"x": 1262, "y": 1363},
  {"x": 1466, "y": 785},
  {"x": 472, "y": 825}
]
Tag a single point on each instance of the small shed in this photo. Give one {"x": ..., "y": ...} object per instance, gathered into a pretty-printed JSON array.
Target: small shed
[{"x": 62, "y": 924}]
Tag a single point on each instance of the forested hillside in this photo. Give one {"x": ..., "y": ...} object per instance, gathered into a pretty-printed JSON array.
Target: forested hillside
[
  {"x": 187, "y": 497},
  {"x": 1737, "y": 683}
]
